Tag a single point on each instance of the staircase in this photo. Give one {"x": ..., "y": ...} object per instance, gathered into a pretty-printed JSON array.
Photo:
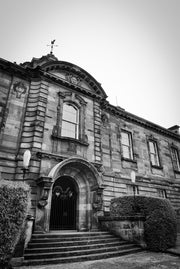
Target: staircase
[{"x": 54, "y": 248}]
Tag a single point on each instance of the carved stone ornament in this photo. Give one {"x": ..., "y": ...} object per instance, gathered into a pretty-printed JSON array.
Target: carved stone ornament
[
  {"x": 19, "y": 88},
  {"x": 45, "y": 185},
  {"x": 72, "y": 147},
  {"x": 55, "y": 130},
  {"x": 73, "y": 79},
  {"x": 98, "y": 199},
  {"x": 104, "y": 119}
]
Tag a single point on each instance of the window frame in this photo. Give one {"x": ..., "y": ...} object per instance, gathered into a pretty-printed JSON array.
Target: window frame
[
  {"x": 75, "y": 124},
  {"x": 157, "y": 163},
  {"x": 129, "y": 189},
  {"x": 129, "y": 146},
  {"x": 162, "y": 193},
  {"x": 79, "y": 103},
  {"x": 176, "y": 160}
]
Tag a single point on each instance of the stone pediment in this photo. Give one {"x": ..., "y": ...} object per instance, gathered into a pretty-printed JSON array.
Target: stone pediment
[
  {"x": 74, "y": 75},
  {"x": 68, "y": 72}
]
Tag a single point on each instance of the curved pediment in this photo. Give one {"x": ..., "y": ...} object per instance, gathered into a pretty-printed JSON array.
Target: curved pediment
[{"x": 75, "y": 75}]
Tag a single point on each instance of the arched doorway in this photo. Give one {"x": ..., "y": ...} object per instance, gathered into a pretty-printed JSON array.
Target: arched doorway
[
  {"x": 63, "y": 204},
  {"x": 83, "y": 180}
]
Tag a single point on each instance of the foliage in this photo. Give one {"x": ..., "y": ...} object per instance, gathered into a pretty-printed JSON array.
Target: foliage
[
  {"x": 14, "y": 203},
  {"x": 160, "y": 218}
]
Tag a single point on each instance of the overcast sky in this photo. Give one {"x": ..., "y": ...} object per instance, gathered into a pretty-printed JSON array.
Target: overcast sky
[{"x": 132, "y": 47}]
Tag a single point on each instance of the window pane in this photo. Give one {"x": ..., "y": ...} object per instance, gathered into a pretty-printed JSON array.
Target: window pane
[
  {"x": 152, "y": 147},
  {"x": 130, "y": 189},
  {"x": 70, "y": 121},
  {"x": 125, "y": 138},
  {"x": 127, "y": 150},
  {"x": 153, "y": 159},
  {"x": 154, "y": 153},
  {"x": 175, "y": 159},
  {"x": 68, "y": 129},
  {"x": 173, "y": 153},
  {"x": 126, "y": 153},
  {"x": 69, "y": 113},
  {"x": 162, "y": 193}
]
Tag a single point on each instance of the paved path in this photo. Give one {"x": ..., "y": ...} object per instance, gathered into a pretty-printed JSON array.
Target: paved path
[
  {"x": 143, "y": 260},
  {"x": 176, "y": 249}
]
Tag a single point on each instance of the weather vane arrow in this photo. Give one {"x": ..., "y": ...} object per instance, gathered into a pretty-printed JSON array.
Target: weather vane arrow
[{"x": 52, "y": 45}]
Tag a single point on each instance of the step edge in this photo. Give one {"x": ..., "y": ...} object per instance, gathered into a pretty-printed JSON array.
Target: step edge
[{"x": 129, "y": 251}]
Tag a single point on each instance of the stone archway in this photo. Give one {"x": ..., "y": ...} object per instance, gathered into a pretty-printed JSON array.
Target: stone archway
[{"x": 87, "y": 180}]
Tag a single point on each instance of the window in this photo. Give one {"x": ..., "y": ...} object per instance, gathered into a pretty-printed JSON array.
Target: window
[
  {"x": 126, "y": 141},
  {"x": 153, "y": 151},
  {"x": 162, "y": 193},
  {"x": 70, "y": 121},
  {"x": 130, "y": 190},
  {"x": 175, "y": 159}
]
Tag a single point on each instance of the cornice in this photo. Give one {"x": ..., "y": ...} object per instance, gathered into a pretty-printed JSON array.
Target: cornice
[
  {"x": 119, "y": 112},
  {"x": 15, "y": 69},
  {"x": 47, "y": 155},
  {"x": 29, "y": 73}
]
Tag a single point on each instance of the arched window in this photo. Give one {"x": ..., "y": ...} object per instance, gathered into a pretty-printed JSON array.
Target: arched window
[{"x": 70, "y": 121}]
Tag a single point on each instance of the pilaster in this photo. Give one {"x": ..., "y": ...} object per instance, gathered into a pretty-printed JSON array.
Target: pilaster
[
  {"x": 32, "y": 133},
  {"x": 97, "y": 132}
]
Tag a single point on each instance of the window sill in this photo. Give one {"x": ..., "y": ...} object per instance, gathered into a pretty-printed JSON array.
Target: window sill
[
  {"x": 128, "y": 160},
  {"x": 157, "y": 167},
  {"x": 70, "y": 139}
]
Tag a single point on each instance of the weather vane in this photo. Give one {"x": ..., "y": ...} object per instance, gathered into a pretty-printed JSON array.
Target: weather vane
[{"x": 52, "y": 46}]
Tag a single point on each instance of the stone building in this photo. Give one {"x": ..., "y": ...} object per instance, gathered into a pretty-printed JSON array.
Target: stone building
[{"x": 83, "y": 149}]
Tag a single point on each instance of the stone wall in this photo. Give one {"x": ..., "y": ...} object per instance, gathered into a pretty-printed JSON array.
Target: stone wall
[
  {"x": 150, "y": 181},
  {"x": 13, "y": 97},
  {"x": 130, "y": 228}
]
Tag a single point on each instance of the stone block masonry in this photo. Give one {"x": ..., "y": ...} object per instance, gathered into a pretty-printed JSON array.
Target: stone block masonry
[{"x": 33, "y": 131}]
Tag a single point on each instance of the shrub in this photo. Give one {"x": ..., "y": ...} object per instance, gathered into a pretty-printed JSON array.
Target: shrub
[
  {"x": 14, "y": 202},
  {"x": 160, "y": 224}
]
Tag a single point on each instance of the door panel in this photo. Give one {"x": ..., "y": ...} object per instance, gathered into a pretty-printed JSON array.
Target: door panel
[{"x": 63, "y": 205}]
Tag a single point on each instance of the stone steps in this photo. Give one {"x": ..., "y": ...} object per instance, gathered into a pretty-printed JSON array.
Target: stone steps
[
  {"x": 54, "y": 248},
  {"x": 72, "y": 247}
]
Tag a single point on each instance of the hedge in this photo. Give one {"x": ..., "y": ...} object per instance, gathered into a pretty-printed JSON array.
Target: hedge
[
  {"x": 160, "y": 229},
  {"x": 14, "y": 205}
]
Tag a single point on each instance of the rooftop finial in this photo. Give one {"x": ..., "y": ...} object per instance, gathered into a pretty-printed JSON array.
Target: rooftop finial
[{"x": 52, "y": 46}]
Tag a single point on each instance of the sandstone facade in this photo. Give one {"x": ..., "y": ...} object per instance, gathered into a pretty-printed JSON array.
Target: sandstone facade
[{"x": 91, "y": 157}]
